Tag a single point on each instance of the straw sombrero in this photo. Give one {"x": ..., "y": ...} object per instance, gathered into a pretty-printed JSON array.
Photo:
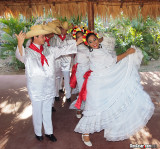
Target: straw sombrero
[
  {"x": 54, "y": 26},
  {"x": 36, "y": 30},
  {"x": 51, "y": 29},
  {"x": 65, "y": 25},
  {"x": 56, "y": 22}
]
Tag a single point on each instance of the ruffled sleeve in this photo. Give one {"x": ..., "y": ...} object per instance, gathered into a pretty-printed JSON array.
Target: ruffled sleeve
[{"x": 137, "y": 56}]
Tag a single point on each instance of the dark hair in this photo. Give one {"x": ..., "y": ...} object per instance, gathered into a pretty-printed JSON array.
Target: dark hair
[
  {"x": 90, "y": 34},
  {"x": 78, "y": 32},
  {"x": 32, "y": 38}
]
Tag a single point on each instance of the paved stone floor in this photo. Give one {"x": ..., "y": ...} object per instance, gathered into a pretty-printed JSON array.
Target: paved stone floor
[{"x": 16, "y": 129}]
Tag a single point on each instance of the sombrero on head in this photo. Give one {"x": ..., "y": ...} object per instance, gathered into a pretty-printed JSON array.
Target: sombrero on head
[
  {"x": 36, "y": 30},
  {"x": 65, "y": 25},
  {"x": 54, "y": 26},
  {"x": 51, "y": 29},
  {"x": 56, "y": 22}
]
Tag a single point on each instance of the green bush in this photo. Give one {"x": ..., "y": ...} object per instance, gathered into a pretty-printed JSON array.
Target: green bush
[
  {"x": 11, "y": 27},
  {"x": 143, "y": 33}
]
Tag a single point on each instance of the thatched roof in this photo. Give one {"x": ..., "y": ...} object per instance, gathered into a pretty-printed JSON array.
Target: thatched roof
[{"x": 69, "y": 8}]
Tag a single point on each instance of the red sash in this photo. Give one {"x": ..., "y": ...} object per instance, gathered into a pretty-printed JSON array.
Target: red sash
[
  {"x": 62, "y": 38},
  {"x": 47, "y": 40},
  {"x": 43, "y": 58},
  {"x": 73, "y": 79},
  {"x": 83, "y": 92}
]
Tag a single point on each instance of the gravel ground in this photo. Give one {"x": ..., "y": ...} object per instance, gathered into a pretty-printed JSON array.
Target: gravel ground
[{"x": 6, "y": 69}]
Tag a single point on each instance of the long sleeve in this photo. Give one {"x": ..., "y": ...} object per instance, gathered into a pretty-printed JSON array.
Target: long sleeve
[
  {"x": 18, "y": 55},
  {"x": 69, "y": 48},
  {"x": 137, "y": 56}
]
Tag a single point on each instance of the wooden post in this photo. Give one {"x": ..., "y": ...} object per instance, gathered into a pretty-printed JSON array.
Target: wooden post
[{"x": 90, "y": 15}]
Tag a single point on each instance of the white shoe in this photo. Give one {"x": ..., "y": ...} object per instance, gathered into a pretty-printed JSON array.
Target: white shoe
[
  {"x": 88, "y": 143},
  {"x": 78, "y": 115}
]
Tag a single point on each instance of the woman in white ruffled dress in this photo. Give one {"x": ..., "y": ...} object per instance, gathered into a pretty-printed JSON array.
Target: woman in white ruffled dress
[{"x": 115, "y": 100}]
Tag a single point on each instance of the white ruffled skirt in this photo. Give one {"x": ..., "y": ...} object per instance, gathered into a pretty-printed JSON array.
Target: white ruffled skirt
[{"x": 116, "y": 101}]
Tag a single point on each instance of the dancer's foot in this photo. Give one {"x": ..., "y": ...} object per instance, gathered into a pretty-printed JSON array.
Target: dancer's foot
[
  {"x": 57, "y": 99},
  {"x": 39, "y": 138},
  {"x": 61, "y": 91},
  {"x": 86, "y": 139},
  {"x": 53, "y": 109},
  {"x": 79, "y": 114},
  {"x": 68, "y": 99},
  {"x": 51, "y": 137}
]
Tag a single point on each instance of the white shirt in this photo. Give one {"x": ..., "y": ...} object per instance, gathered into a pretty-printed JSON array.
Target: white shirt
[{"x": 41, "y": 79}]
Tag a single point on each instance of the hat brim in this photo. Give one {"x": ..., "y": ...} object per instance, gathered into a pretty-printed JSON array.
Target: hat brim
[
  {"x": 64, "y": 25},
  {"x": 58, "y": 30},
  {"x": 33, "y": 33},
  {"x": 50, "y": 29}
]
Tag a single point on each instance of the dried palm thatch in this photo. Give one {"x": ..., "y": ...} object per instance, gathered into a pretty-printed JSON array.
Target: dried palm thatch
[{"x": 69, "y": 8}]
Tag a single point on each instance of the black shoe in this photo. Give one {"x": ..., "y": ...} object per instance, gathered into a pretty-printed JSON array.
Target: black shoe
[
  {"x": 39, "y": 138},
  {"x": 56, "y": 98},
  {"x": 53, "y": 109},
  {"x": 69, "y": 100},
  {"x": 61, "y": 91},
  {"x": 51, "y": 137}
]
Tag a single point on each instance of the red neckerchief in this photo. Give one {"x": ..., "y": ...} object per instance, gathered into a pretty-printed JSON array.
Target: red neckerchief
[
  {"x": 83, "y": 93},
  {"x": 43, "y": 58},
  {"x": 47, "y": 40},
  {"x": 60, "y": 36}
]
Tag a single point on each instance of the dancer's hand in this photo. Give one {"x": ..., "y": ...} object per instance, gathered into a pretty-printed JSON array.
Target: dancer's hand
[
  {"x": 79, "y": 40},
  {"x": 20, "y": 37},
  {"x": 129, "y": 51}
]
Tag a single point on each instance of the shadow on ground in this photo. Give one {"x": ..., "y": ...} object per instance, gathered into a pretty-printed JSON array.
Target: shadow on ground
[{"x": 16, "y": 129}]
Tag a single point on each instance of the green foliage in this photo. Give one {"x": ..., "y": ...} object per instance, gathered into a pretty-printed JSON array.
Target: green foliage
[
  {"x": 11, "y": 27},
  {"x": 143, "y": 33},
  {"x": 76, "y": 21},
  {"x": 62, "y": 19},
  {"x": 139, "y": 32},
  {"x": 98, "y": 25}
]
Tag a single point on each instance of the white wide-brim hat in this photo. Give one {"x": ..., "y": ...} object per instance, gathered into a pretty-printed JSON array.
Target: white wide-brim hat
[{"x": 36, "y": 30}]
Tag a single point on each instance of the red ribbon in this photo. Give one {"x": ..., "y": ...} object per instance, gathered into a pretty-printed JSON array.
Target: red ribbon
[
  {"x": 83, "y": 92},
  {"x": 62, "y": 38},
  {"x": 43, "y": 58},
  {"x": 47, "y": 40},
  {"x": 73, "y": 79}
]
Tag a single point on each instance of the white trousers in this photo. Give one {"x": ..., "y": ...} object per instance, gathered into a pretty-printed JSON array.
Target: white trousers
[
  {"x": 58, "y": 85},
  {"x": 66, "y": 75},
  {"x": 42, "y": 114}
]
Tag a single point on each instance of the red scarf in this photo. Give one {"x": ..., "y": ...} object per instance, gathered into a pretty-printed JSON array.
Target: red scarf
[
  {"x": 47, "y": 40},
  {"x": 62, "y": 38},
  {"x": 43, "y": 58},
  {"x": 83, "y": 92},
  {"x": 73, "y": 79}
]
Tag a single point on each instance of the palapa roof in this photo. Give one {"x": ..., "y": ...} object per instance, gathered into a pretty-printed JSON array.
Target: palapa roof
[{"x": 70, "y": 8}]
